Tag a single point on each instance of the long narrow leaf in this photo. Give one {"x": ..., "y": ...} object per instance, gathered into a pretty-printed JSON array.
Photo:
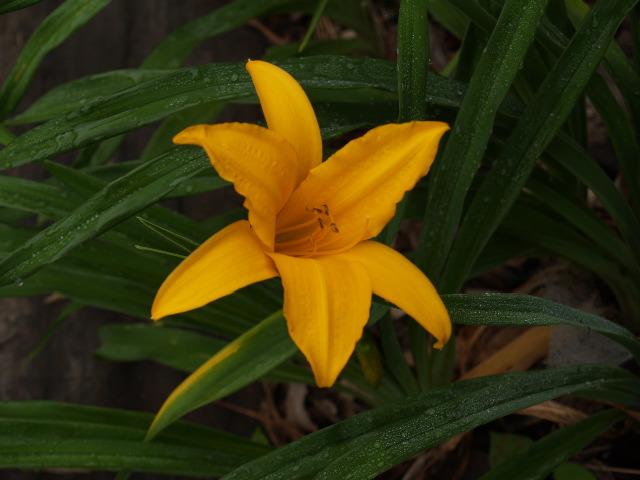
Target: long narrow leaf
[
  {"x": 178, "y": 348},
  {"x": 238, "y": 364},
  {"x": 36, "y": 435},
  {"x": 540, "y": 459},
  {"x": 567, "y": 153},
  {"x": 527, "y": 311},
  {"x": 465, "y": 146},
  {"x": 117, "y": 202},
  {"x": 372, "y": 442},
  {"x": 413, "y": 59},
  {"x": 11, "y": 5},
  {"x": 57, "y": 27},
  {"x": 535, "y": 129},
  {"x": 326, "y": 78},
  {"x": 83, "y": 91}
]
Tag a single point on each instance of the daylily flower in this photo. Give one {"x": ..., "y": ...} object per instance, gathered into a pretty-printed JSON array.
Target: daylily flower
[{"x": 310, "y": 223}]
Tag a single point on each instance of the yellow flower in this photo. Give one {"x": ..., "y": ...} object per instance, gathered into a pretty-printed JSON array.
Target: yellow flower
[{"x": 310, "y": 223}]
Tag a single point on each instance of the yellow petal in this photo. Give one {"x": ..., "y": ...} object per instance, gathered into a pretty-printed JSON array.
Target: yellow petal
[
  {"x": 288, "y": 112},
  {"x": 362, "y": 183},
  {"x": 259, "y": 163},
  {"x": 231, "y": 259},
  {"x": 326, "y": 304},
  {"x": 400, "y": 282}
]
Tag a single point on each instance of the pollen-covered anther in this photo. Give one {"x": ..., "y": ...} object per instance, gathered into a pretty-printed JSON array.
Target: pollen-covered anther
[{"x": 324, "y": 217}]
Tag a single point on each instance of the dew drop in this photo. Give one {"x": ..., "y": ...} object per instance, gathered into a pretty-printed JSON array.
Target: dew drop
[
  {"x": 234, "y": 77},
  {"x": 19, "y": 282}
]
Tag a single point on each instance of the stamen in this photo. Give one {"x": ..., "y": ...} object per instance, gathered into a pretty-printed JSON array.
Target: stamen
[
  {"x": 309, "y": 241},
  {"x": 348, "y": 246},
  {"x": 296, "y": 227}
]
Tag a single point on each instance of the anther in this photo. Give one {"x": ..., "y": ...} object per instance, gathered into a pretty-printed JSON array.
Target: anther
[
  {"x": 333, "y": 227},
  {"x": 320, "y": 222},
  {"x": 325, "y": 209}
]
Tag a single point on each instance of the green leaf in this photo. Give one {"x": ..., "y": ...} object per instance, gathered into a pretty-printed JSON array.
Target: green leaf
[
  {"x": 178, "y": 348},
  {"x": 395, "y": 360},
  {"x": 325, "y": 78},
  {"x": 572, "y": 471},
  {"x": 54, "y": 30},
  {"x": 115, "y": 203},
  {"x": 413, "y": 59},
  {"x": 75, "y": 94},
  {"x": 161, "y": 141},
  {"x": 36, "y": 435},
  {"x": 240, "y": 363},
  {"x": 451, "y": 176},
  {"x": 621, "y": 134},
  {"x": 540, "y": 122},
  {"x": 370, "y": 443},
  {"x": 575, "y": 212},
  {"x": 157, "y": 98},
  {"x": 331, "y": 46},
  {"x": 564, "y": 152},
  {"x": 623, "y": 73},
  {"x": 123, "y": 280},
  {"x": 515, "y": 310},
  {"x": 176, "y": 46},
  {"x": 449, "y": 16},
  {"x": 11, "y": 5},
  {"x": 503, "y": 446},
  {"x": 312, "y": 26},
  {"x": 540, "y": 459},
  {"x": 173, "y": 237},
  {"x": 336, "y": 119},
  {"x": 34, "y": 197},
  {"x": 69, "y": 309}
]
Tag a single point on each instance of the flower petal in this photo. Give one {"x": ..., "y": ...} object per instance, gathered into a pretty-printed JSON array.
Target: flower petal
[
  {"x": 231, "y": 259},
  {"x": 362, "y": 183},
  {"x": 259, "y": 163},
  {"x": 326, "y": 304},
  {"x": 400, "y": 282},
  {"x": 288, "y": 112}
]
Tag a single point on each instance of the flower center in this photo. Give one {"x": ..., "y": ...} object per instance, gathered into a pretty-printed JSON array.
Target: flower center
[{"x": 310, "y": 237}]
